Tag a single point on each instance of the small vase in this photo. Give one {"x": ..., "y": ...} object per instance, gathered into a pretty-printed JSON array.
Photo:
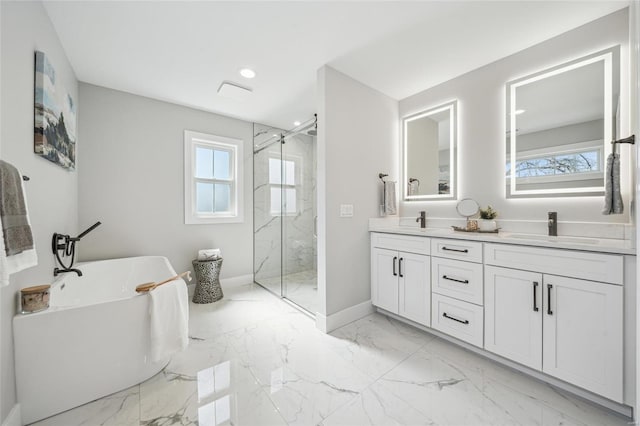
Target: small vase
[{"x": 487, "y": 225}]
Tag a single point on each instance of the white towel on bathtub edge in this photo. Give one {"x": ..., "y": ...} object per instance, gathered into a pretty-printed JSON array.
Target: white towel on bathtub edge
[{"x": 169, "y": 320}]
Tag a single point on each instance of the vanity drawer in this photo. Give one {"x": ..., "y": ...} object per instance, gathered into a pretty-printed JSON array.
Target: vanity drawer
[
  {"x": 606, "y": 268},
  {"x": 457, "y": 279},
  {"x": 462, "y": 320},
  {"x": 470, "y": 251},
  {"x": 407, "y": 243}
]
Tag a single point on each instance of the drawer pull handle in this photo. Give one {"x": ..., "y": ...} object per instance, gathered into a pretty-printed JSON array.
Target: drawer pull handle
[
  {"x": 455, "y": 319},
  {"x": 400, "y": 267},
  {"x": 535, "y": 296},
  {"x": 458, "y": 250},
  {"x": 549, "y": 311},
  {"x": 454, "y": 279},
  {"x": 395, "y": 259}
]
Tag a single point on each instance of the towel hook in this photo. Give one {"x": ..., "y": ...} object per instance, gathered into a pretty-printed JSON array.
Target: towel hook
[
  {"x": 382, "y": 176},
  {"x": 26, "y": 178}
]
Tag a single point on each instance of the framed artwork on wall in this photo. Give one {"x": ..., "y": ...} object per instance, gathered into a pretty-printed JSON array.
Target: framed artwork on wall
[{"x": 55, "y": 116}]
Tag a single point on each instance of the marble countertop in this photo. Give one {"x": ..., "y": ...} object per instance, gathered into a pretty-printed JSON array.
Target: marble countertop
[{"x": 601, "y": 245}]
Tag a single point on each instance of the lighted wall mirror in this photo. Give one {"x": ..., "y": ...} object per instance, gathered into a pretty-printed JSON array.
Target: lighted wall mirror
[
  {"x": 559, "y": 126},
  {"x": 429, "y": 154}
]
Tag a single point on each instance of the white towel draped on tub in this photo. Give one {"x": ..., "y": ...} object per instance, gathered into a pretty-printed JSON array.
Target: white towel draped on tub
[
  {"x": 17, "y": 250},
  {"x": 169, "y": 319}
]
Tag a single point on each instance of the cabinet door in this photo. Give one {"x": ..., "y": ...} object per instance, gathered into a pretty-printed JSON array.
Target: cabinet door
[
  {"x": 583, "y": 334},
  {"x": 415, "y": 289},
  {"x": 384, "y": 279},
  {"x": 513, "y": 315}
]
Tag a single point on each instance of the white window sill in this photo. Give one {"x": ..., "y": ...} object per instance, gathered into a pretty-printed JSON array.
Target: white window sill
[{"x": 212, "y": 220}]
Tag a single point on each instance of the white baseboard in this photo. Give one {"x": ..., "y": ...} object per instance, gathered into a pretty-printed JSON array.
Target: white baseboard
[
  {"x": 14, "y": 418},
  {"x": 329, "y": 323},
  {"x": 236, "y": 281}
]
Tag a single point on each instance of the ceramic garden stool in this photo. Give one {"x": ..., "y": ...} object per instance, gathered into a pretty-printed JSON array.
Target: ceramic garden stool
[{"x": 208, "y": 288}]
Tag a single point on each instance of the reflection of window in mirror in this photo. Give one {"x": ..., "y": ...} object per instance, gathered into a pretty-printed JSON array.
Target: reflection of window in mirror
[
  {"x": 429, "y": 153},
  {"x": 559, "y": 125}
]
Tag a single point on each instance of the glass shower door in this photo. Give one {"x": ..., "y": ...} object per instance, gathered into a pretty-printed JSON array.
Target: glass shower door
[
  {"x": 267, "y": 221},
  {"x": 298, "y": 195},
  {"x": 284, "y": 191}
]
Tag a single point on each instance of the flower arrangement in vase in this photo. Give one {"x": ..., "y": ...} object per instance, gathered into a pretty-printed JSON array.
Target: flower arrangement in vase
[{"x": 487, "y": 222}]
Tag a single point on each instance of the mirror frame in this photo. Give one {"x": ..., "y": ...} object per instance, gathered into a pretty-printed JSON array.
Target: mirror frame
[
  {"x": 607, "y": 56},
  {"x": 452, "y": 106}
]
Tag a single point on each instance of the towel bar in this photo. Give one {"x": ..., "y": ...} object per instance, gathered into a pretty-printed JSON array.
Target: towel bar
[{"x": 631, "y": 139}]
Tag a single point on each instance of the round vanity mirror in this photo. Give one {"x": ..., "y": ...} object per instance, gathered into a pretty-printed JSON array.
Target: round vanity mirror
[{"x": 467, "y": 207}]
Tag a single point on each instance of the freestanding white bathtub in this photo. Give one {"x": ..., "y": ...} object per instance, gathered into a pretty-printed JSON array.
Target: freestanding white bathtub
[{"x": 92, "y": 341}]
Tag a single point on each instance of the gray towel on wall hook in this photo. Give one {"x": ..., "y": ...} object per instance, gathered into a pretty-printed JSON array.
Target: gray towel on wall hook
[{"x": 612, "y": 197}]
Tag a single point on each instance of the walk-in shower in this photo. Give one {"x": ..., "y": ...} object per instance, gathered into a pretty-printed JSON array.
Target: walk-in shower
[{"x": 284, "y": 212}]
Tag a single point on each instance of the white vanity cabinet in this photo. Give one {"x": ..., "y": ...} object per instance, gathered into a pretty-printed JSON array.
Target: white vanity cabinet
[
  {"x": 400, "y": 276},
  {"x": 568, "y": 327},
  {"x": 582, "y": 334},
  {"x": 456, "y": 287},
  {"x": 554, "y": 311}
]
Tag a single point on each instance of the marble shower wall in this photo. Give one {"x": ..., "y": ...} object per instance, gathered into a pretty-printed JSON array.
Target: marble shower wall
[{"x": 291, "y": 235}]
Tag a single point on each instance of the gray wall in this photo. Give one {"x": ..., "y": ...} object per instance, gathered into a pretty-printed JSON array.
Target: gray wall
[
  {"x": 358, "y": 133},
  {"x": 132, "y": 180},
  {"x": 481, "y": 137},
  {"x": 52, "y": 191}
]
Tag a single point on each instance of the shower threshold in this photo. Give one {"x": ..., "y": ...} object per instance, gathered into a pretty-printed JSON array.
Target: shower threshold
[{"x": 299, "y": 288}]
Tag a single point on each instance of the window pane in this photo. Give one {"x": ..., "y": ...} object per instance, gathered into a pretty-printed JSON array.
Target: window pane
[
  {"x": 221, "y": 164},
  {"x": 276, "y": 201},
  {"x": 204, "y": 197},
  {"x": 223, "y": 197},
  {"x": 274, "y": 171},
  {"x": 289, "y": 173},
  {"x": 204, "y": 162},
  {"x": 290, "y": 200}
]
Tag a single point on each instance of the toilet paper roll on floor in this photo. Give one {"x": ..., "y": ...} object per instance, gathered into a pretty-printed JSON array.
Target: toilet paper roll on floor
[{"x": 209, "y": 254}]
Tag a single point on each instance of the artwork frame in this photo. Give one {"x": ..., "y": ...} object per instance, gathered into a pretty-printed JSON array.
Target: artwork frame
[{"x": 55, "y": 124}]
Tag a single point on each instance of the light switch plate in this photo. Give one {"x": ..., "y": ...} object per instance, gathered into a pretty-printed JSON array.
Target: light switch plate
[{"x": 346, "y": 210}]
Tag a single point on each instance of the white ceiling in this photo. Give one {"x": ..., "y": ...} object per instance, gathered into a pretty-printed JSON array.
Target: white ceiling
[{"x": 181, "y": 51}]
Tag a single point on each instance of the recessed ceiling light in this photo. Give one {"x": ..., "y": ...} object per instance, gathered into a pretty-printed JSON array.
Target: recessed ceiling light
[
  {"x": 519, "y": 111},
  {"x": 296, "y": 123},
  {"x": 247, "y": 73}
]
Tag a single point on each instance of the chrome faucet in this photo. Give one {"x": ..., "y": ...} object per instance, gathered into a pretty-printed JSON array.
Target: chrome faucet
[
  {"x": 552, "y": 223},
  {"x": 422, "y": 219}
]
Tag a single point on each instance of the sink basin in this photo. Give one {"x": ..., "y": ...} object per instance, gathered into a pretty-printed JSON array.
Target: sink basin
[{"x": 575, "y": 240}]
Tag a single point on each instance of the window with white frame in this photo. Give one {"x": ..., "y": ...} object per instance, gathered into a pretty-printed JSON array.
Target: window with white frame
[
  {"x": 212, "y": 178},
  {"x": 282, "y": 183}
]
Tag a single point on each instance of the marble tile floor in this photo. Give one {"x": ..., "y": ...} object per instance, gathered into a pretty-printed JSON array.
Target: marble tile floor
[
  {"x": 299, "y": 287},
  {"x": 255, "y": 360}
]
